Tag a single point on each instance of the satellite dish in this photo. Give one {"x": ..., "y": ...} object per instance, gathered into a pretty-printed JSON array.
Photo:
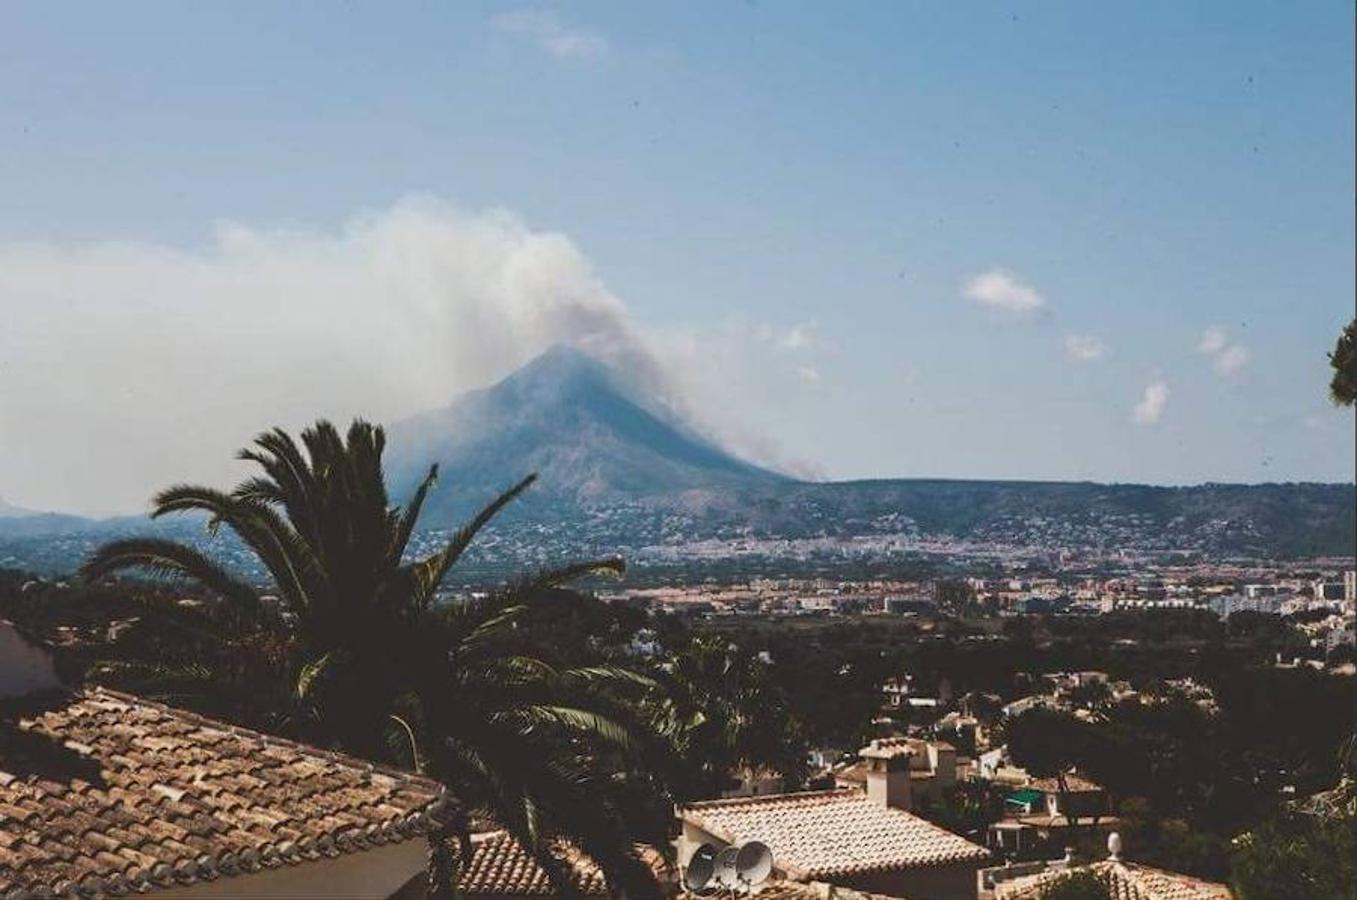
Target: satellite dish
[
  {"x": 727, "y": 876},
  {"x": 753, "y": 863},
  {"x": 698, "y": 877}
]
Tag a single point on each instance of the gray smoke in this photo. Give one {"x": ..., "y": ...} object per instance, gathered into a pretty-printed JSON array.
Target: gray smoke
[{"x": 127, "y": 365}]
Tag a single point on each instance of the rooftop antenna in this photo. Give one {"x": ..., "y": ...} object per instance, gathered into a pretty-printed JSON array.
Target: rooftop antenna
[
  {"x": 727, "y": 877},
  {"x": 699, "y": 876},
  {"x": 753, "y": 864}
]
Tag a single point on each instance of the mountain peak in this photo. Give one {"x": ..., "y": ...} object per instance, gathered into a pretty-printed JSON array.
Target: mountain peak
[
  {"x": 562, "y": 359},
  {"x": 561, "y": 367},
  {"x": 575, "y": 421}
]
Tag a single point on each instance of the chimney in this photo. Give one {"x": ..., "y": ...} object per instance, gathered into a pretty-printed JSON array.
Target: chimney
[
  {"x": 25, "y": 666},
  {"x": 942, "y": 760},
  {"x": 888, "y": 772}
]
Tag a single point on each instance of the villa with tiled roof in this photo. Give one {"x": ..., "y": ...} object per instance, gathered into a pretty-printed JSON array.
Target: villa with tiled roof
[
  {"x": 1123, "y": 880},
  {"x": 862, "y": 840},
  {"x": 104, "y": 794}
]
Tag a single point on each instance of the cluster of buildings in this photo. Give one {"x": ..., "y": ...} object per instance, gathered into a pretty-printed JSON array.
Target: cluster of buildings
[
  {"x": 105, "y": 794},
  {"x": 1223, "y": 590}
]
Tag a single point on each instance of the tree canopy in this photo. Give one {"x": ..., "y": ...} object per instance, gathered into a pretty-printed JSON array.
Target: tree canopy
[
  {"x": 376, "y": 662},
  {"x": 1343, "y": 361}
]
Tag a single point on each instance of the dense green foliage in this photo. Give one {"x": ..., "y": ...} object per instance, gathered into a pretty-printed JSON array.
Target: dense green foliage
[
  {"x": 725, "y": 713},
  {"x": 1343, "y": 360},
  {"x": 1297, "y": 858}
]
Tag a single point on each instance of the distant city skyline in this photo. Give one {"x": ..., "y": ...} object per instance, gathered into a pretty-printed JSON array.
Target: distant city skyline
[{"x": 1070, "y": 242}]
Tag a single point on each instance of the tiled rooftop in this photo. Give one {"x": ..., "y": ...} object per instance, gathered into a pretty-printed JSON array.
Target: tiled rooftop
[
  {"x": 500, "y": 865},
  {"x": 1125, "y": 881},
  {"x": 105, "y": 793},
  {"x": 854, "y": 773},
  {"x": 1077, "y": 784},
  {"x": 821, "y": 834}
]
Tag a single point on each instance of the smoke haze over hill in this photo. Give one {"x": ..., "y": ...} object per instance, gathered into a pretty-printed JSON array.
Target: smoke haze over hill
[{"x": 131, "y": 365}]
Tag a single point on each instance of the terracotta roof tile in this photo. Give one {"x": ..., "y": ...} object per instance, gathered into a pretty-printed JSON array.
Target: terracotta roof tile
[
  {"x": 1125, "y": 881},
  {"x": 821, "y": 834},
  {"x": 106, "y": 793},
  {"x": 1077, "y": 784},
  {"x": 853, "y": 773},
  {"x": 499, "y": 865}
]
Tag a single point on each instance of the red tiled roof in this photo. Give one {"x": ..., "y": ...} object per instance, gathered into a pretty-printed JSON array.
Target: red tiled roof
[
  {"x": 500, "y": 865},
  {"x": 821, "y": 834},
  {"x": 106, "y": 793},
  {"x": 1124, "y": 881}
]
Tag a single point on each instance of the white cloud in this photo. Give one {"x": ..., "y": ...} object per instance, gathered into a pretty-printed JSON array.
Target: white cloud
[
  {"x": 129, "y": 365},
  {"x": 1002, "y": 291},
  {"x": 809, "y": 374},
  {"x": 796, "y": 338},
  {"x": 1227, "y": 358},
  {"x": 799, "y": 337},
  {"x": 1213, "y": 340},
  {"x": 546, "y": 30},
  {"x": 1231, "y": 360},
  {"x": 1084, "y": 347},
  {"x": 1152, "y": 402}
]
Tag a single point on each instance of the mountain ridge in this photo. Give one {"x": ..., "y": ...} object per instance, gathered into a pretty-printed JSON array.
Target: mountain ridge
[{"x": 619, "y": 470}]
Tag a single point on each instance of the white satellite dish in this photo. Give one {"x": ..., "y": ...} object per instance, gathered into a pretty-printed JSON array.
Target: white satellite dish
[
  {"x": 698, "y": 876},
  {"x": 753, "y": 863},
  {"x": 727, "y": 876}
]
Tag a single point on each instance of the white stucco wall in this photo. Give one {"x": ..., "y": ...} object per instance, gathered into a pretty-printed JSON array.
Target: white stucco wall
[{"x": 367, "y": 875}]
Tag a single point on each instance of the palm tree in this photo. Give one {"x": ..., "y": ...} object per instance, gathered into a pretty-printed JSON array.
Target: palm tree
[
  {"x": 721, "y": 711},
  {"x": 542, "y": 748},
  {"x": 372, "y": 657}
]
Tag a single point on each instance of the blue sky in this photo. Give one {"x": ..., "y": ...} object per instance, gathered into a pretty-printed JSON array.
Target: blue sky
[{"x": 1055, "y": 240}]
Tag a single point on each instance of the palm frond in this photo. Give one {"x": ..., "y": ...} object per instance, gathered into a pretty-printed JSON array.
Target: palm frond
[
  {"x": 428, "y": 573},
  {"x": 410, "y": 517},
  {"x": 580, "y": 721},
  {"x": 167, "y": 559}
]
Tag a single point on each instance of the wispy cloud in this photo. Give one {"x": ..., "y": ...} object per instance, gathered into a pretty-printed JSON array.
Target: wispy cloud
[
  {"x": 1226, "y": 358},
  {"x": 1231, "y": 359},
  {"x": 1150, "y": 409},
  {"x": 1213, "y": 340},
  {"x": 1004, "y": 292},
  {"x": 809, "y": 374},
  {"x": 801, "y": 336},
  {"x": 1084, "y": 347},
  {"x": 550, "y": 34}
]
